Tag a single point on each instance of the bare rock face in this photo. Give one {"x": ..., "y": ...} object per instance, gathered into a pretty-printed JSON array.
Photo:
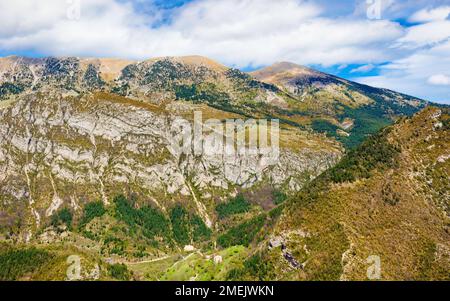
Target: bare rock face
[
  {"x": 63, "y": 150},
  {"x": 75, "y": 130},
  {"x": 79, "y": 130}
]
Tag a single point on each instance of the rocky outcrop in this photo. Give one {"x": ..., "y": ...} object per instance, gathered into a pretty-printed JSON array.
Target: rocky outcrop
[{"x": 72, "y": 150}]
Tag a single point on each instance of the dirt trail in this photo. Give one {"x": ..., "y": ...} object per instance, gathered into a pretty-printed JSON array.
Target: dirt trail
[{"x": 148, "y": 261}]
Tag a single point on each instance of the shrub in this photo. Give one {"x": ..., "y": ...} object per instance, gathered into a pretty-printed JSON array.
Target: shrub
[
  {"x": 279, "y": 197},
  {"x": 63, "y": 216},
  {"x": 119, "y": 272}
]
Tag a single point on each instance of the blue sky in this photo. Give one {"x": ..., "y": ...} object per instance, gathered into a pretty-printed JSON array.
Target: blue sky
[{"x": 402, "y": 45}]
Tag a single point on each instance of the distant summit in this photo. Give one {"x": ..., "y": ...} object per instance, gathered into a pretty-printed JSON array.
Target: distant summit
[{"x": 297, "y": 95}]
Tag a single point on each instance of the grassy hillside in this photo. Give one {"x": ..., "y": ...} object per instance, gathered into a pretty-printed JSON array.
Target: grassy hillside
[
  {"x": 388, "y": 198},
  {"x": 342, "y": 109}
]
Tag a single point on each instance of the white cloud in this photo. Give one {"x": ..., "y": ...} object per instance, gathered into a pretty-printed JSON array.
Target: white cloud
[
  {"x": 363, "y": 69},
  {"x": 439, "y": 80},
  {"x": 395, "y": 9},
  {"x": 411, "y": 75},
  {"x": 423, "y": 70},
  {"x": 243, "y": 33},
  {"x": 427, "y": 15},
  {"x": 236, "y": 32},
  {"x": 425, "y": 34}
]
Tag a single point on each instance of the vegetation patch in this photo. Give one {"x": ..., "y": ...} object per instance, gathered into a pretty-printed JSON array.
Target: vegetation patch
[
  {"x": 279, "y": 197},
  {"x": 92, "y": 78},
  {"x": 119, "y": 272},
  {"x": 16, "y": 263},
  {"x": 181, "y": 226},
  {"x": 235, "y": 206},
  {"x": 202, "y": 93},
  {"x": 62, "y": 217},
  {"x": 202, "y": 267},
  {"x": 9, "y": 88},
  {"x": 151, "y": 221},
  {"x": 375, "y": 153},
  {"x": 91, "y": 211},
  {"x": 327, "y": 248},
  {"x": 324, "y": 126},
  {"x": 188, "y": 227},
  {"x": 243, "y": 234},
  {"x": 254, "y": 268}
]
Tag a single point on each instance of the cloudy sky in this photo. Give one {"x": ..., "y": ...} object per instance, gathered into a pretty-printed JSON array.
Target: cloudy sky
[{"x": 403, "y": 45}]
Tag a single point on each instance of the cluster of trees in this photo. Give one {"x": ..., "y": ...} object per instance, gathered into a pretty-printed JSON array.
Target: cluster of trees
[
  {"x": 115, "y": 245},
  {"x": 181, "y": 226},
  {"x": 9, "y": 88},
  {"x": 121, "y": 90},
  {"x": 375, "y": 153},
  {"x": 244, "y": 233},
  {"x": 368, "y": 120},
  {"x": 188, "y": 227},
  {"x": 254, "y": 268},
  {"x": 62, "y": 217},
  {"x": 164, "y": 73},
  {"x": 17, "y": 263},
  {"x": 92, "y": 78},
  {"x": 91, "y": 211},
  {"x": 119, "y": 272},
  {"x": 245, "y": 81},
  {"x": 205, "y": 93},
  {"x": 324, "y": 126},
  {"x": 150, "y": 220},
  {"x": 234, "y": 206}
]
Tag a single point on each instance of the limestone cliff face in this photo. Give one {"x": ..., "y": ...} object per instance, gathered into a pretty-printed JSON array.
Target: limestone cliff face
[
  {"x": 58, "y": 150},
  {"x": 75, "y": 130}
]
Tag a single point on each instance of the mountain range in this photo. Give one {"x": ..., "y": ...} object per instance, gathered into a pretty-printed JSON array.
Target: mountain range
[{"x": 87, "y": 167}]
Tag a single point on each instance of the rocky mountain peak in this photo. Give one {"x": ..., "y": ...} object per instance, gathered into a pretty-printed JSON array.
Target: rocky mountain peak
[
  {"x": 296, "y": 94},
  {"x": 284, "y": 70},
  {"x": 192, "y": 60}
]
